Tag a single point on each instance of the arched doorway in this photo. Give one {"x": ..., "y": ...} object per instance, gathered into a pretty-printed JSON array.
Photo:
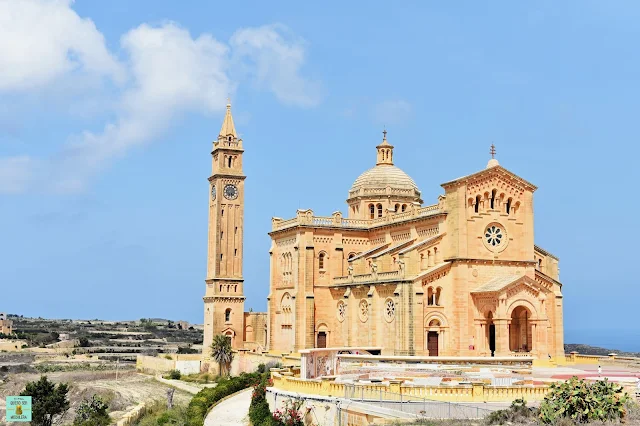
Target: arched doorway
[
  {"x": 322, "y": 335},
  {"x": 491, "y": 334},
  {"x": 520, "y": 330},
  {"x": 432, "y": 338},
  {"x": 322, "y": 340}
]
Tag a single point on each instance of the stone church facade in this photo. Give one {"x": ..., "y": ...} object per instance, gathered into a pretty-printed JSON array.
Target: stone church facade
[{"x": 461, "y": 277}]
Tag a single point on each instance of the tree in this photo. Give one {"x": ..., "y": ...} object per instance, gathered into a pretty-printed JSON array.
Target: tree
[
  {"x": 221, "y": 352},
  {"x": 49, "y": 400},
  {"x": 84, "y": 342},
  {"x": 92, "y": 412}
]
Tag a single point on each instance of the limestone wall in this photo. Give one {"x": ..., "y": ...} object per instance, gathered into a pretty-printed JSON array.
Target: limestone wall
[
  {"x": 10, "y": 345},
  {"x": 248, "y": 361}
]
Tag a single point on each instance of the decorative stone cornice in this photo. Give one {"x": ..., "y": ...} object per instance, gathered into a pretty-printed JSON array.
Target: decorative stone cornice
[
  {"x": 222, "y": 280},
  {"x": 497, "y": 170},
  {"x": 231, "y": 299},
  {"x": 226, "y": 176},
  {"x": 491, "y": 261}
]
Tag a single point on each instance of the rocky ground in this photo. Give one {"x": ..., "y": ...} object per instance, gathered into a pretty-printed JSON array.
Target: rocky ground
[{"x": 122, "y": 394}]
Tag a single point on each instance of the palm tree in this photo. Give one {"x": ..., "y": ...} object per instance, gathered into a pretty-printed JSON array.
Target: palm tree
[{"x": 221, "y": 352}]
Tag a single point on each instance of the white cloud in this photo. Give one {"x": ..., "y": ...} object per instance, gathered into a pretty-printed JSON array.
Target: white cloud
[
  {"x": 276, "y": 58},
  {"x": 392, "y": 111},
  {"x": 41, "y": 41},
  {"x": 168, "y": 73},
  {"x": 172, "y": 73}
]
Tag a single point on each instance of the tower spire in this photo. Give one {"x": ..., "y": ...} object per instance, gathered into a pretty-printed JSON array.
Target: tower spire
[
  {"x": 228, "y": 129},
  {"x": 385, "y": 151}
]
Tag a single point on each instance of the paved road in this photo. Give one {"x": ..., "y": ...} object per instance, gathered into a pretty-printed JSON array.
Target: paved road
[{"x": 232, "y": 412}]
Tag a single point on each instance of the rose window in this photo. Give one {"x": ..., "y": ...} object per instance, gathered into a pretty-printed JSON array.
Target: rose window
[
  {"x": 389, "y": 310},
  {"x": 494, "y": 235},
  {"x": 364, "y": 310},
  {"x": 342, "y": 311}
]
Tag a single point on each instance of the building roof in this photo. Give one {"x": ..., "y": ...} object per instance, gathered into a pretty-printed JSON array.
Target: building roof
[
  {"x": 497, "y": 284},
  {"x": 421, "y": 243},
  {"x": 393, "y": 248},
  {"x": 493, "y": 168},
  {"x": 384, "y": 175},
  {"x": 368, "y": 252}
]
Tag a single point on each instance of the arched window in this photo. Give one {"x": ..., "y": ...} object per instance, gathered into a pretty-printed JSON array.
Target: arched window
[
  {"x": 493, "y": 198},
  {"x": 351, "y": 256},
  {"x": 477, "y": 207},
  {"x": 397, "y": 208},
  {"x": 379, "y": 210},
  {"x": 404, "y": 207},
  {"x": 372, "y": 211},
  {"x": 437, "y": 296},
  {"x": 430, "y": 296},
  {"x": 227, "y": 315},
  {"x": 508, "y": 208},
  {"x": 321, "y": 261},
  {"x": 229, "y": 138},
  {"x": 539, "y": 263},
  {"x": 230, "y": 161}
]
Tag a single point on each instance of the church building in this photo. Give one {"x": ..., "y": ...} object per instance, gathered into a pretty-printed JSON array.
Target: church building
[{"x": 461, "y": 277}]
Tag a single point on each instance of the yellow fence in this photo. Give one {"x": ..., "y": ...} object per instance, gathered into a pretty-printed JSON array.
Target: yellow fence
[{"x": 395, "y": 391}]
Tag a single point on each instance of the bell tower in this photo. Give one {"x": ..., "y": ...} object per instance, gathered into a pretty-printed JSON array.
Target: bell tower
[{"x": 224, "y": 295}]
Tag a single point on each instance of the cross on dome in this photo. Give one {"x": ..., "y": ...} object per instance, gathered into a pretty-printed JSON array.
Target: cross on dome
[
  {"x": 385, "y": 151},
  {"x": 493, "y": 162}
]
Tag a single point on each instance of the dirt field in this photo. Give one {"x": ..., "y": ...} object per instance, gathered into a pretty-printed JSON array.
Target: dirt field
[{"x": 129, "y": 390}]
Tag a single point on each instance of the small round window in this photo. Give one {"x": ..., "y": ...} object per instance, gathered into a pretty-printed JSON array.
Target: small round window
[{"x": 494, "y": 235}]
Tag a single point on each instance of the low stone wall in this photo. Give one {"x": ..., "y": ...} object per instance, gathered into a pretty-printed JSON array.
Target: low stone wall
[
  {"x": 185, "y": 363},
  {"x": 247, "y": 362},
  {"x": 574, "y": 358},
  {"x": 133, "y": 416},
  {"x": 395, "y": 391}
]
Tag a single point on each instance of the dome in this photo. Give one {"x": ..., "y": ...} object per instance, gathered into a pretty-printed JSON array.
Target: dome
[{"x": 376, "y": 180}]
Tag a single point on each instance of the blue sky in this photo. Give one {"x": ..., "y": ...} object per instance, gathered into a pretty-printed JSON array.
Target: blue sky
[{"x": 108, "y": 110}]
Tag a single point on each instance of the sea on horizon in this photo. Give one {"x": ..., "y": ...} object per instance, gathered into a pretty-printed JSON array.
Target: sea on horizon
[{"x": 622, "y": 340}]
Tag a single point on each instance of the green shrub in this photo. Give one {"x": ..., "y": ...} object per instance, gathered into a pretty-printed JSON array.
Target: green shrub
[
  {"x": 259, "y": 412},
  {"x": 204, "y": 399},
  {"x": 158, "y": 414},
  {"x": 92, "y": 412},
  {"x": 168, "y": 356},
  {"x": 175, "y": 374},
  {"x": 517, "y": 412},
  {"x": 582, "y": 402}
]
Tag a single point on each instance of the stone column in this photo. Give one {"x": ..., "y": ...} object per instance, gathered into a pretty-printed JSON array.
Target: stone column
[
  {"x": 479, "y": 339},
  {"x": 502, "y": 337}
]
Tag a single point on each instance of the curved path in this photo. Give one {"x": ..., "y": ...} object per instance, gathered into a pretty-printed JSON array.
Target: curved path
[{"x": 231, "y": 412}]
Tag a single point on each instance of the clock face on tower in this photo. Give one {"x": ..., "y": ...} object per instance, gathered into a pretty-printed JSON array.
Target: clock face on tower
[
  {"x": 213, "y": 193},
  {"x": 231, "y": 192}
]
